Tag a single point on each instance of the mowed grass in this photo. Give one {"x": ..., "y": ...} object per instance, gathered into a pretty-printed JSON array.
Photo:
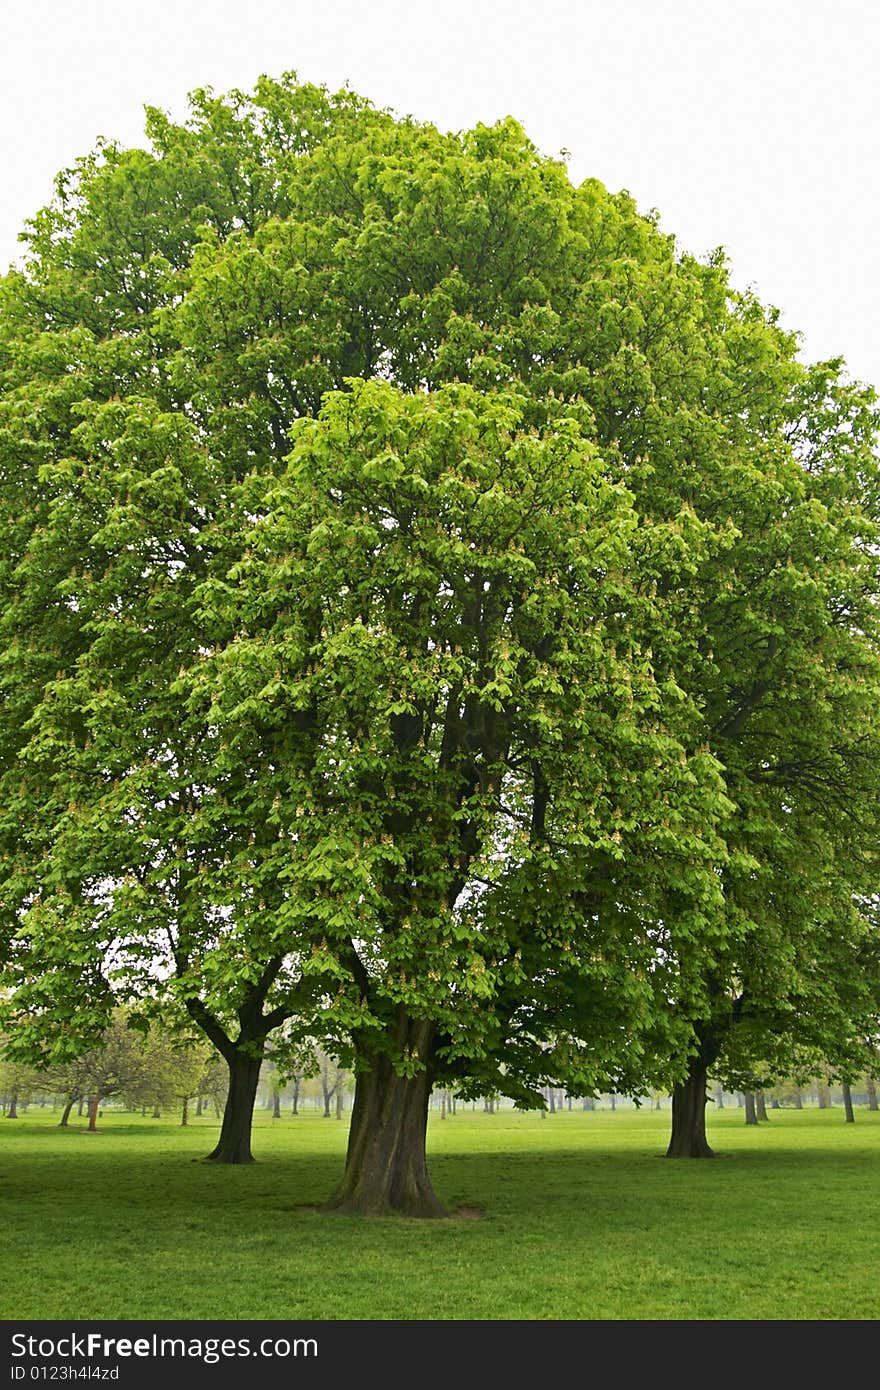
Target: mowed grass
[{"x": 581, "y": 1217}]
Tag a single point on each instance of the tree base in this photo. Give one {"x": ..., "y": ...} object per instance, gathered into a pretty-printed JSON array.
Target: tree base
[{"x": 386, "y": 1170}]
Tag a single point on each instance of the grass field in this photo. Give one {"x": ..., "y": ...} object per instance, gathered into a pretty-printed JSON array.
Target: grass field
[{"x": 580, "y": 1217}]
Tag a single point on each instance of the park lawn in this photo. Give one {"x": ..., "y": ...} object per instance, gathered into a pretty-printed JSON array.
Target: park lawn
[{"x": 573, "y": 1216}]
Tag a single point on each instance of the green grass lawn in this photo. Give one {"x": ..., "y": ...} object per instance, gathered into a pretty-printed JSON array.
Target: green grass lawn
[{"x": 582, "y": 1218}]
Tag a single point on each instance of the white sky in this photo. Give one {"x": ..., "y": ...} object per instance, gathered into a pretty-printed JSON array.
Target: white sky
[{"x": 751, "y": 124}]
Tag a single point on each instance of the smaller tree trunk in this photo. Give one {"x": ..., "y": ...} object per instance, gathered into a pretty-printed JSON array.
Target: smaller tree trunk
[
  {"x": 294, "y": 1103},
  {"x": 751, "y": 1111},
  {"x": 276, "y": 1105},
  {"x": 798, "y": 1101},
  {"x": 184, "y": 1114},
  {"x": 198, "y": 1106},
  {"x": 849, "y": 1113},
  {"x": 12, "y": 1112},
  {"x": 234, "y": 1144},
  {"x": 872, "y": 1093},
  {"x": 94, "y": 1102},
  {"x": 65, "y": 1114}
]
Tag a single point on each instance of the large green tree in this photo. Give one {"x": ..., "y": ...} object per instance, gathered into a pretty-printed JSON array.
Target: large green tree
[{"x": 409, "y": 713}]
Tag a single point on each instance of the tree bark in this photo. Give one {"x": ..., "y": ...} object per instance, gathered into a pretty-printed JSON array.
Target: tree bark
[
  {"x": 872, "y": 1093},
  {"x": 65, "y": 1114},
  {"x": 276, "y": 1105},
  {"x": 761, "y": 1105},
  {"x": 184, "y": 1114},
  {"x": 234, "y": 1144},
  {"x": 12, "y": 1112},
  {"x": 386, "y": 1170},
  {"x": 94, "y": 1102},
  {"x": 847, "y": 1103},
  {"x": 688, "y": 1137},
  {"x": 751, "y": 1112},
  {"x": 798, "y": 1101}
]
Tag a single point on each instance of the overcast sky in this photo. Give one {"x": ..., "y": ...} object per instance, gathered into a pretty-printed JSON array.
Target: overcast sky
[{"x": 751, "y": 124}]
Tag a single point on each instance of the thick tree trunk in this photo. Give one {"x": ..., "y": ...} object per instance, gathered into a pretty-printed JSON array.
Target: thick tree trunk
[
  {"x": 824, "y": 1095},
  {"x": 688, "y": 1138},
  {"x": 12, "y": 1112},
  {"x": 847, "y": 1103},
  {"x": 751, "y": 1112},
  {"x": 65, "y": 1114},
  {"x": 94, "y": 1102},
  {"x": 234, "y": 1144},
  {"x": 872, "y": 1093},
  {"x": 276, "y": 1105},
  {"x": 386, "y": 1170},
  {"x": 761, "y": 1105}
]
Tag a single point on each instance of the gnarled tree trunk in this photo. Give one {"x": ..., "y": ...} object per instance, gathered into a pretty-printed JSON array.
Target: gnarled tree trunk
[
  {"x": 688, "y": 1137},
  {"x": 386, "y": 1169},
  {"x": 751, "y": 1112},
  {"x": 234, "y": 1144}
]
